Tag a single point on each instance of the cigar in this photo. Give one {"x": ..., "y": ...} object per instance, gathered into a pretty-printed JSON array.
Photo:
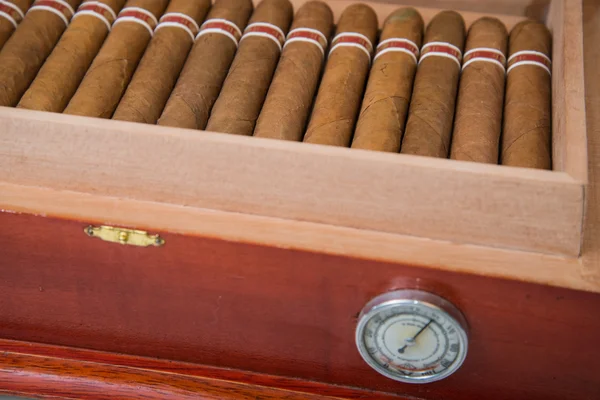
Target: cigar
[
  {"x": 153, "y": 81},
  {"x": 205, "y": 70},
  {"x": 33, "y": 41},
  {"x": 431, "y": 113},
  {"x": 383, "y": 114},
  {"x": 340, "y": 93},
  {"x": 111, "y": 71},
  {"x": 237, "y": 107},
  {"x": 526, "y": 137},
  {"x": 478, "y": 120},
  {"x": 66, "y": 66},
  {"x": 291, "y": 94},
  {"x": 12, "y": 13}
]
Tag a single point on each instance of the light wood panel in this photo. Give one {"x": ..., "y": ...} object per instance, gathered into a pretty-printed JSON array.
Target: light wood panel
[
  {"x": 440, "y": 199},
  {"x": 281, "y": 233}
]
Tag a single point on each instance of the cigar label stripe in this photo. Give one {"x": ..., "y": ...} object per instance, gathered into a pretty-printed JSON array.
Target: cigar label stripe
[
  {"x": 139, "y": 16},
  {"x": 97, "y": 10},
  {"x": 11, "y": 12},
  {"x": 58, "y": 7},
  {"x": 529, "y": 57},
  {"x": 307, "y": 35},
  {"x": 398, "y": 45},
  {"x": 263, "y": 29},
  {"x": 14, "y": 7},
  {"x": 441, "y": 49},
  {"x": 352, "y": 39},
  {"x": 179, "y": 20},
  {"x": 484, "y": 54},
  {"x": 223, "y": 27}
]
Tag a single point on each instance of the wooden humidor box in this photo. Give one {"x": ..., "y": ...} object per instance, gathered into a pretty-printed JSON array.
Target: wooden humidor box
[{"x": 272, "y": 248}]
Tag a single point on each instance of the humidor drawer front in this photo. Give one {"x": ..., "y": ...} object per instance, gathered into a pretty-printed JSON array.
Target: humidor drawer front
[{"x": 281, "y": 311}]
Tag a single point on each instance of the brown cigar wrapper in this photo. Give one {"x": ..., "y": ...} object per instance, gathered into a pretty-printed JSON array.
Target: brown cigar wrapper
[
  {"x": 431, "y": 113},
  {"x": 478, "y": 120},
  {"x": 6, "y": 27},
  {"x": 157, "y": 73},
  {"x": 526, "y": 137},
  {"x": 291, "y": 94},
  {"x": 205, "y": 70},
  {"x": 341, "y": 90},
  {"x": 111, "y": 71},
  {"x": 26, "y": 50},
  {"x": 383, "y": 114},
  {"x": 66, "y": 66},
  {"x": 244, "y": 91}
]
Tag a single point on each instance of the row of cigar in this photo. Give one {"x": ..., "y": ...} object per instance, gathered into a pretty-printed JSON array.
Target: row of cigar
[{"x": 480, "y": 96}]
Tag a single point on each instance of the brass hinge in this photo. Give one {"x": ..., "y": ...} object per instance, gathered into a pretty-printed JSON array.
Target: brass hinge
[{"x": 124, "y": 236}]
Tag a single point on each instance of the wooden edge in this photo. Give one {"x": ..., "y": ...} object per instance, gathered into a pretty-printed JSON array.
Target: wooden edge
[
  {"x": 570, "y": 151},
  {"x": 49, "y": 371},
  {"x": 421, "y": 196},
  {"x": 347, "y": 242},
  {"x": 471, "y": 10},
  {"x": 591, "y": 237}
]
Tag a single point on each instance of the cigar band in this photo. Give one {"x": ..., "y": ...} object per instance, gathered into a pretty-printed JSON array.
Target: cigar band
[
  {"x": 179, "y": 20},
  {"x": 11, "y": 12},
  {"x": 138, "y": 15},
  {"x": 484, "y": 54},
  {"x": 222, "y": 26},
  {"x": 352, "y": 39},
  {"x": 98, "y": 10},
  {"x": 307, "y": 35},
  {"x": 263, "y": 29},
  {"x": 441, "y": 49},
  {"x": 58, "y": 7},
  {"x": 529, "y": 57},
  {"x": 398, "y": 45}
]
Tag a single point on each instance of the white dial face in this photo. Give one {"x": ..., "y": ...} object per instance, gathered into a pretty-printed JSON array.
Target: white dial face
[{"x": 411, "y": 340}]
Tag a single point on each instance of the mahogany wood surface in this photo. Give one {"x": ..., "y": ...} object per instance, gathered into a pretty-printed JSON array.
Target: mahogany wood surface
[
  {"x": 281, "y": 312},
  {"x": 35, "y": 369}
]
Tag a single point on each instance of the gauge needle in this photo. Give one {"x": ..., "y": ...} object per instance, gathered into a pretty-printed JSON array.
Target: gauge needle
[{"x": 411, "y": 341}]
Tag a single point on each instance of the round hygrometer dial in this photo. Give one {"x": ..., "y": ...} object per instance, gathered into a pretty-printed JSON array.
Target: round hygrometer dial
[{"x": 412, "y": 336}]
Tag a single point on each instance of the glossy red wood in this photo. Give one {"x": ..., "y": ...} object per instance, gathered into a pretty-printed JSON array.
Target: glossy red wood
[
  {"x": 41, "y": 378},
  {"x": 281, "y": 312},
  {"x": 49, "y": 376}
]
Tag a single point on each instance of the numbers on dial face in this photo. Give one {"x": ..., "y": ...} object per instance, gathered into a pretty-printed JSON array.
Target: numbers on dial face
[{"x": 413, "y": 341}]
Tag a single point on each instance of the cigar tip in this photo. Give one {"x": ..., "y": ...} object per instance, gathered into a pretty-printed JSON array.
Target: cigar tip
[
  {"x": 488, "y": 23},
  {"x": 317, "y": 6},
  {"x": 532, "y": 34},
  {"x": 404, "y": 13}
]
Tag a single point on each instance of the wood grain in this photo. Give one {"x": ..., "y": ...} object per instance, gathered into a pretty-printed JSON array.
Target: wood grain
[
  {"x": 281, "y": 312},
  {"x": 31, "y": 375},
  {"x": 84, "y": 364}
]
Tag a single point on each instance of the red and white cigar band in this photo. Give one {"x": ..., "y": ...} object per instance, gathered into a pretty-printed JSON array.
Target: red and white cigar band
[
  {"x": 484, "y": 54},
  {"x": 352, "y": 39},
  {"x": 441, "y": 49},
  {"x": 529, "y": 57},
  {"x": 263, "y": 29},
  {"x": 398, "y": 45},
  {"x": 138, "y": 15},
  {"x": 222, "y": 26},
  {"x": 181, "y": 21},
  {"x": 307, "y": 35},
  {"x": 98, "y": 10},
  {"x": 11, "y": 12},
  {"x": 58, "y": 7}
]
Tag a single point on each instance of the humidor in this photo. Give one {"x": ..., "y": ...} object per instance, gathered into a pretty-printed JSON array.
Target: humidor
[{"x": 261, "y": 253}]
